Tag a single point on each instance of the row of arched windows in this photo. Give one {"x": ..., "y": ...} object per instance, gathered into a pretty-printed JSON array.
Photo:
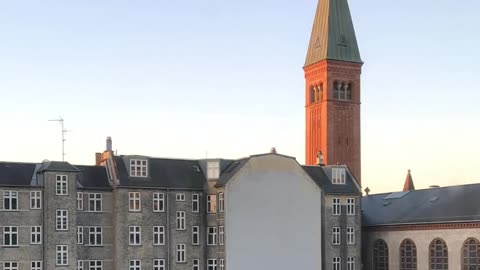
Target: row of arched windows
[
  {"x": 438, "y": 255},
  {"x": 341, "y": 91}
]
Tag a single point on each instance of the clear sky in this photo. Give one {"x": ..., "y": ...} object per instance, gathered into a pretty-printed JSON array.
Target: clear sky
[{"x": 223, "y": 78}]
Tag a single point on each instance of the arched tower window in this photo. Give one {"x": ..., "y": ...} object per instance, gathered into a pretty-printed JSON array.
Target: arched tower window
[
  {"x": 438, "y": 255},
  {"x": 316, "y": 93},
  {"x": 320, "y": 92},
  {"x": 471, "y": 254},
  {"x": 380, "y": 255},
  {"x": 336, "y": 90},
  {"x": 408, "y": 255},
  {"x": 349, "y": 91},
  {"x": 312, "y": 94}
]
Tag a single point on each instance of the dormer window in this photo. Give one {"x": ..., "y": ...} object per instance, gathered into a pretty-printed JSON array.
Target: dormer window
[
  {"x": 138, "y": 167},
  {"x": 213, "y": 170},
  {"x": 338, "y": 176}
]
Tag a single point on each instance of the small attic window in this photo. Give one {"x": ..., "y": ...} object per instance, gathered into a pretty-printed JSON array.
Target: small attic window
[
  {"x": 138, "y": 167},
  {"x": 338, "y": 176},
  {"x": 213, "y": 170},
  {"x": 196, "y": 168}
]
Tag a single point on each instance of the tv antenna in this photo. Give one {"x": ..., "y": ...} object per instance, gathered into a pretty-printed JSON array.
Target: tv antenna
[{"x": 60, "y": 119}]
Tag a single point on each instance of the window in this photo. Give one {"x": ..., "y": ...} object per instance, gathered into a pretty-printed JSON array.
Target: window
[
  {"x": 212, "y": 264},
  {"x": 337, "y": 263},
  {"x": 380, "y": 255},
  {"x": 79, "y": 201},
  {"x": 211, "y": 236},
  {"x": 342, "y": 91},
  {"x": 222, "y": 264},
  {"x": 95, "y": 202},
  {"x": 316, "y": 93},
  {"x": 195, "y": 235},
  {"x": 95, "y": 265},
  {"x": 36, "y": 265},
  {"x": 10, "y": 200},
  {"x": 79, "y": 265},
  {"x": 221, "y": 235},
  {"x": 408, "y": 255},
  {"x": 80, "y": 235},
  {"x": 138, "y": 168},
  {"x": 62, "y": 255},
  {"x": 336, "y": 236},
  {"x": 213, "y": 169},
  {"x": 95, "y": 236},
  {"x": 471, "y": 254},
  {"x": 350, "y": 206},
  {"x": 158, "y": 264},
  {"x": 196, "y": 264},
  {"x": 35, "y": 200},
  {"x": 158, "y": 202},
  {"x": 61, "y": 185},
  {"x": 351, "y": 263},
  {"x": 221, "y": 202},
  {"x": 134, "y": 265},
  {"x": 338, "y": 176},
  {"x": 135, "y": 238},
  {"x": 35, "y": 235},
  {"x": 158, "y": 235},
  {"x": 195, "y": 203},
  {"x": 134, "y": 201},
  {"x": 350, "y": 235},
  {"x": 337, "y": 210},
  {"x": 10, "y": 266},
  {"x": 180, "y": 220},
  {"x": 211, "y": 203},
  {"x": 10, "y": 236},
  {"x": 438, "y": 255},
  {"x": 181, "y": 253},
  {"x": 180, "y": 197},
  {"x": 62, "y": 220}
]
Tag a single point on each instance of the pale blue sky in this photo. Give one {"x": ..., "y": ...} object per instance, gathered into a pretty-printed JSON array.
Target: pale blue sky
[{"x": 224, "y": 78}]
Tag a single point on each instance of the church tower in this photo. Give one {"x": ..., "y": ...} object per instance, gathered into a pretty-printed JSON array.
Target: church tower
[{"x": 332, "y": 90}]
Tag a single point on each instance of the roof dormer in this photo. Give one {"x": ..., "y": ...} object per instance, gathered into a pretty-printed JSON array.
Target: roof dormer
[{"x": 138, "y": 167}]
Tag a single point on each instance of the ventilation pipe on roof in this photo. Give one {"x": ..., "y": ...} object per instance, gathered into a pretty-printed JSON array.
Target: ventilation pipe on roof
[{"x": 109, "y": 143}]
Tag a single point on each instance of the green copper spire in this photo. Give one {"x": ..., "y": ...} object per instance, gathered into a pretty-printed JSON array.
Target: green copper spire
[{"x": 333, "y": 34}]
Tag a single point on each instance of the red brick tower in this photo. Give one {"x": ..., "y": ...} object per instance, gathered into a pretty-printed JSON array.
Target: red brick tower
[{"x": 332, "y": 93}]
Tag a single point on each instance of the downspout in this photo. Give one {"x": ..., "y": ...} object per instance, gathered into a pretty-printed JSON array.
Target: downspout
[{"x": 167, "y": 206}]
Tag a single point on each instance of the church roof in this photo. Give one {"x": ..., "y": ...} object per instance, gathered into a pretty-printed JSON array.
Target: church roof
[
  {"x": 408, "y": 186},
  {"x": 333, "y": 35},
  {"x": 435, "y": 205}
]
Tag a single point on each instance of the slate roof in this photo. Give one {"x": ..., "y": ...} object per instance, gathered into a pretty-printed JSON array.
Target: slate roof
[
  {"x": 322, "y": 176},
  {"x": 57, "y": 166},
  {"x": 231, "y": 170},
  {"x": 164, "y": 173},
  {"x": 93, "y": 177},
  {"x": 333, "y": 35},
  {"x": 16, "y": 174},
  {"x": 436, "y": 205}
]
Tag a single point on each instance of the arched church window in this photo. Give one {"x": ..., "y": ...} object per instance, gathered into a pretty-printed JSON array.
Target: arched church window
[
  {"x": 438, "y": 255},
  {"x": 336, "y": 90},
  {"x": 380, "y": 255},
  {"x": 408, "y": 255},
  {"x": 349, "y": 91},
  {"x": 471, "y": 254}
]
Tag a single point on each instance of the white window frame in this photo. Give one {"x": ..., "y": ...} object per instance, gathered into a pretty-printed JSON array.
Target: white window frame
[
  {"x": 61, "y": 257},
  {"x": 338, "y": 176},
  {"x": 195, "y": 235},
  {"x": 181, "y": 253},
  {"x": 159, "y": 264},
  {"x": 95, "y": 236},
  {"x": 211, "y": 204},
  {"x": 134, "y": 235},
  {"x": 180, "y": 221},
  {"x": 336, "y": 207},
  {"x": 35, "y": 199},
  {"x": 350, "y": 235},
  {"x": 36, "y": 235},
  {"x": 95, "y": 265},
  {"x": 195, "y": 203},
  {"x": 80, "y": 201},
  {"x": 10, "y": 265},
  {"x": 158, "y": 235},
  {"x": 61, "y": 185},
  {"x": 221, "y": 235},
  {"x": 36, "y": 265},
  {"x": 337, "y": 263},
  {"x": 135, "y": 265},
  {"x": 222, "y": 264},
  {"x": 211, "y": 236},
  {"x": 211, "y": 264},
  {"x": 213, "y": 169},
  {"x": 10, "y": 232},
  {"x": 158, "y": 202},
  {"x": 196, "y": 264},
  {"x": 336, "y": 237},
  {"x": 61, "y": 219},
  {"x": 350, "y": 206},
  {"x": 351, "y": 263},
  {"x": 221, "y": 202},
  {"x": 12, "y": 198},
  {"x": 138, "y": 168},
  {"x": 95, "y": 202},
  {"x": 180, "y": 197},
  {"x": 134, "y": 201},
  {"x": 80, "y": 236},
  {"x": 80, "y": 265}
]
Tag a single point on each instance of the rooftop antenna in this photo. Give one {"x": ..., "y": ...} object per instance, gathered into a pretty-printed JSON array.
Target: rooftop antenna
[{"x": 60, "y": 119}]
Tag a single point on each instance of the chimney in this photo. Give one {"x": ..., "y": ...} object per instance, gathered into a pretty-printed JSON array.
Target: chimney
[
  {"x": 320, "y": 159},
  {"x": 109, "y": 143},
  {"x": 273, "y": 150},
  {"x": 98, "y": 159}
]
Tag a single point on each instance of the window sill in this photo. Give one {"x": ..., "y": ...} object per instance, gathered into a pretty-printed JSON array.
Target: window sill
[
  {"x": 10, "y": 246},
  {"x": 158, "y": 211}
]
